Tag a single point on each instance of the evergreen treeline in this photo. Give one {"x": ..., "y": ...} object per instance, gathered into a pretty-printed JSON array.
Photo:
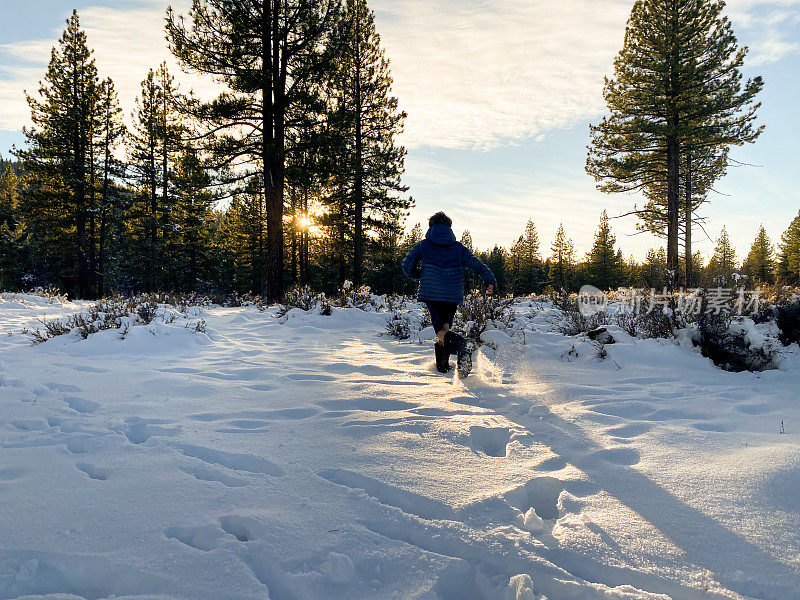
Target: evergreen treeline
[{"x": 603, "y": 266}]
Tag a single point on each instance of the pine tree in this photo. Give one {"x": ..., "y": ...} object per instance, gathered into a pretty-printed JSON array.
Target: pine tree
[
  {"x": 759, "y": 264},
  {"x": 59, "y": 202},
  {"x": 269, "y": 55},
  {"x": 193, "y": 217},
  {"x": 514, "y": 267},
  {"x": 496, "y": 259},
  {"x": 413, "y": 237},
  {"x": 368, "y": 121},
  {"x": 604, "y": 266},
  {"x": 723, "y": 262},
  {"x": 699, "y": 169},
  {"x": 12, "y": 232},
  {"x": 676, "y": 93},
  {"x": 9, "y": 197},
  {"x": 466, "y": 240},
  {"x": 654, "y": 269},
  {"x": 471, "y": 280},
  {"x": 788, "y": 268},
  {"x": 384, "y": 275},
  {"x": 143, "y": 149},
  {"x": 633, "y": 273},
  {"x": 240, "y": 242},
  {"x": 111, "y": 205},
  {"x": 532, "y": 270},
  {"x": 562, "y": 260}
]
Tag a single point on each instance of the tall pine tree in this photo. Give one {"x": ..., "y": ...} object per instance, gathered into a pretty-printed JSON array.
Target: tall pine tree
[
  {"x": 759, "y": 264},
  {"x": 788, "y": 268},
  {"x": 723, "y": 262},
  {"x": 12, "y": 233},
  {"x": 367, "y": 122},
  {"x": 268, "y": 54},
  {"x": 676, "y": 93},
  {"x": 604, "y": 265},
  {"x": 562, "y": 260},
  {"x": 59, "y": 202}
]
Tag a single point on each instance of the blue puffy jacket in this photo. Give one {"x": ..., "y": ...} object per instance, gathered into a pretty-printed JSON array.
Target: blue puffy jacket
[{"x": 443, "y": 260}]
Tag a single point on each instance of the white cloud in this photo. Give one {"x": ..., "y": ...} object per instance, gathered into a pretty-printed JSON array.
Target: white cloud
[
  {"x": 771, "y": 28},
  {"x": 126, "y": 43},
  {"x": 478, "y": 74},
  {"x": 472, "y": 74}
]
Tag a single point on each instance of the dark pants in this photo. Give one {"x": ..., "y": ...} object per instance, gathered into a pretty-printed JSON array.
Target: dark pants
[{"x": 442, "y": 314}]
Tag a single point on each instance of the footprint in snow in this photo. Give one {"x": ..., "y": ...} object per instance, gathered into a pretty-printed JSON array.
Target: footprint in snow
[
  {"x": 540, "y": 494},
  {"x": 85, "y": 369},
  {"x": 492, "y": 441},
  {"x": 94, "y": 472},
  {"x": 243, "y": 529},
  {"x": 205, "y": 537},
  {"x": 139, "y": 430},
  {"x": 278, "y": 414},
  {"x": 554, "y": 463},
  {"x": 629, "y": 431},
  {"x": 81, "y": 405},
  {"x": 714, "y": 427},
  {"x": 231, "y": 460},
  {"x": 618, "y": 456},
  {"x": 33, "y": 425},
  {"x": 260, "y": 387},
  {"x": 202, "y": 473},
  {"x": 389, "y": 495}
]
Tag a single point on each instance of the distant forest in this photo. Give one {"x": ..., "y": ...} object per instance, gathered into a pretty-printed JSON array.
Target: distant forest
[{"x": 293, "y": 174}]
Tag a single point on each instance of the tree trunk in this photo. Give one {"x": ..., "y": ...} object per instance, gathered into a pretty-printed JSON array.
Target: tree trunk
[
  {"x": 304, "y": 243},
  {"x": 688, "y": 222},
  {"x": 153, "y": 219},
  {"x": 92, "y": 276},
  {"x": 673, "y": 159},
  {"x": 101, "y": 258},
  {"x": 295, "y": 232},
  {"x": 273, "y": 115},
  {"x": 79, "y": 174},
  {"x": 358, "y": 246},
  {"x": 165, "y": 176}
]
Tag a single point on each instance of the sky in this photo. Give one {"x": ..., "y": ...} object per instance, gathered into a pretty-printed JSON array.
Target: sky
[{"x": 499, "y": 96}]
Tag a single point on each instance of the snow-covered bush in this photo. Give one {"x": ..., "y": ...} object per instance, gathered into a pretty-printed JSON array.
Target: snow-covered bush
[
  {"x": 786, "y": 316},
  {"x": 399, "y": 326},
  {"x": 729, "y": 343},
  {"x": 654, "y": 324},
  {"x": 304, "y": 298},
  {"x": 575, "y": 322},
  {"x": 395, "y": 302},
  {"x": 477, "y": 312},
  {"x": 361, "y": 297},
  {"x": 112, "y": 313},
  {"x": 53, "y": 294}
]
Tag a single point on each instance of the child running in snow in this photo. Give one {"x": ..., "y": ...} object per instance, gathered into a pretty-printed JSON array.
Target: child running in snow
[{"x": 438, "y": 262}]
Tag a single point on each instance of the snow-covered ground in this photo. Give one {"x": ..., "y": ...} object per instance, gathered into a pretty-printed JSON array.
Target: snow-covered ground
[{"x": 311, "y": 458}]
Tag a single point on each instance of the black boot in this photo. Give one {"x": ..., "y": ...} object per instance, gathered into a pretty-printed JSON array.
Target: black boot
[
  {"x": 463, "y": 349},
  {"x": 452, "y": 343},
  {"x": 442, "y": 359}
]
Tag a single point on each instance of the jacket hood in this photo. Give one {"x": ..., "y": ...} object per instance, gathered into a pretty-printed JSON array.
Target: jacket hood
[{"x": 441, "y": 235}]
